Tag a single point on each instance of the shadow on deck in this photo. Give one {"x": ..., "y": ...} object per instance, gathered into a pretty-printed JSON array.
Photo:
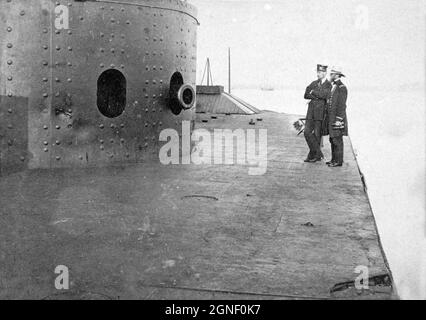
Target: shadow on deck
[{"x": 193, "y": 232}]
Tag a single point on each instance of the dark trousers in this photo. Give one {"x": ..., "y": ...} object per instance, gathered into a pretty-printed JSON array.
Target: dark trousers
[
  {"x": 337, "y": 149},
  {"x": 313, "y": 138}
]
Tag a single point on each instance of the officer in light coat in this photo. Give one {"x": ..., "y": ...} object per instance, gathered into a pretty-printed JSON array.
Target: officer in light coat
[{"x": 337, "y": 119}]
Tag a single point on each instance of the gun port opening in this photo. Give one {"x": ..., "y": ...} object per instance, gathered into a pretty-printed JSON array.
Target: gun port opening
[{"x": 111, "y": 95}]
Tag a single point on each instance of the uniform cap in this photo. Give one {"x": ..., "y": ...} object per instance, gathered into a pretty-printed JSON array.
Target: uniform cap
[
  {"x": 337, "y": 70},
  {"x": 322, "y": 68}
]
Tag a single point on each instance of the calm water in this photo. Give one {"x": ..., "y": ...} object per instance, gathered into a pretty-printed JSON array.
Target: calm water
[{"x": 387, "y": 130}]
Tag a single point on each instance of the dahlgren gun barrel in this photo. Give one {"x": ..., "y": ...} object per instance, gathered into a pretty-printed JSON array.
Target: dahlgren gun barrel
[{"x": 182, "y": 96}]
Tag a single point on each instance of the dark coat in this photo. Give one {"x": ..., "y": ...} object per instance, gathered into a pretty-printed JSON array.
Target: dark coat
[
  {"x": 318, "y": 93},
  {"x": 336, "y": 109}
]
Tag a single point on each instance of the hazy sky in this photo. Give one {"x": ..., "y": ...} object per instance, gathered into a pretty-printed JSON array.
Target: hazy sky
[{"x": 279, "y": 42}]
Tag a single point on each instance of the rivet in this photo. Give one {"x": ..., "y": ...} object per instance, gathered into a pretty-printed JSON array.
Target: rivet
[
  {"x": 58, "y": 127},
  {"x": 58, "y": 158},
  {"x": 9, "y": 29},
  {"x": 9, "y": 62},
  {"x": 46, "y": 143},
  {"x": 9, "y": 45}
]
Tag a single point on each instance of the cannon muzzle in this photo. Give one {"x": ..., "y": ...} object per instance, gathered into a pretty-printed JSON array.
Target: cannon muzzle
[{"x": 182, "y": 96}]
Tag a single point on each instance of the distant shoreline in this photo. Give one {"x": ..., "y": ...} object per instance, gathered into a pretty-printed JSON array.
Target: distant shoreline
[{"x": 367, "y": 89}]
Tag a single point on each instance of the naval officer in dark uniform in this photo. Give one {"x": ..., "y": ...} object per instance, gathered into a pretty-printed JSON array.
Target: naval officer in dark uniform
[
  {"x": 318, "y": 92},
  {"x": 337, "y": 119}
]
